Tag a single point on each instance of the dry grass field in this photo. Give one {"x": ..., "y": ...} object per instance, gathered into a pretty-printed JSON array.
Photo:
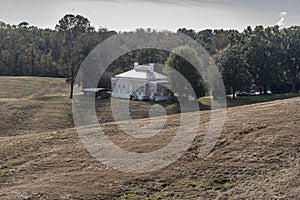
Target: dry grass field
[
  {"x": 33, "y": 104},
  {"x": 42, "y": 156},
  {"x": 26, "y": 87}
]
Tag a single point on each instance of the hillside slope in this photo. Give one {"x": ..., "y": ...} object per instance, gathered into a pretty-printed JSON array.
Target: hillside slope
[
  {"x": 257, "y": 157},
  {"x": 33, "y": 104},
  {"x": 28, "y": 86},
  {"x": 40, "y": 104}
]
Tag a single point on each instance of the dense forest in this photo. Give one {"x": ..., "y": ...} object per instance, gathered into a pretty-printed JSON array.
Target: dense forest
[
  {"x": 261, "y": 58},
  {"x": 29, "y": 51}
]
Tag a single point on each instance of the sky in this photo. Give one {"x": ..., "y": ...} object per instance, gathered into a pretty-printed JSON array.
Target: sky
[{"x": 126, "y": 15}]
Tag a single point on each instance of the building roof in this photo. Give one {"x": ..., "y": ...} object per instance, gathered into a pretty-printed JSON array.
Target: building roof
[
  {"x": 95, "y": 89},
  {"x": 142, "y": 72},
  {"x": 141, "y": 75}
]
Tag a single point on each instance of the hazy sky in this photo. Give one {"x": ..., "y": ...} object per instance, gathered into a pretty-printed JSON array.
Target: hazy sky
[{"x": 159, "y": 14}]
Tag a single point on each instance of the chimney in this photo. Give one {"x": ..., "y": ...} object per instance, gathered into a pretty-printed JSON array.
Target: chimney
[
  {"x": 151, "y": 67},
  {"x": 136, "y": 64}
]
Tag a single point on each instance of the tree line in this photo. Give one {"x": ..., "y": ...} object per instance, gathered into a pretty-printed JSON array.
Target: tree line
[
  {"x": 30, "y": 51},
  {"x": 260, "y": 58}
]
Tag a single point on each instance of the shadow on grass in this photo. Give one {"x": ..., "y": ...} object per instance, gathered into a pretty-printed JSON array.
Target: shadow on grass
[{"x": 205, "y": 102}]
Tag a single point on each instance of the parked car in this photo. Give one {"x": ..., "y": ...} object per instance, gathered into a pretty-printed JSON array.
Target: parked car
[
  {"x": 242, "y": 94},
  {"x": 252, "y": 93}
]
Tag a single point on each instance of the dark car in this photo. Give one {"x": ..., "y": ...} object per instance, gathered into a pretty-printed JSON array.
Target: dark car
[
  {"x": 252, "y": 93},
  {"x": 242, "y": 94}
]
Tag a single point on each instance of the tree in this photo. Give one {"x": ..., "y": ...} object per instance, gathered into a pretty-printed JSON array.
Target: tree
[
  {"x": 73, "y": 29},
  {"x": 234, "y": 69},
  {"x": 291, "y": 45},
  {"x": 25, "y": 50},
  {"x": 186, "y": 69},
  {"x": 264, "y": 55}
]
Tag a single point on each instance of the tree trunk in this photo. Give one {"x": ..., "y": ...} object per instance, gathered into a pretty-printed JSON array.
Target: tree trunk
[
  {"x": 294, "y": 77},
  {"x": 233, "y": 93},
  {"x": 72, "y": 82},
  {"x": 265, "y": 89},
  {"x": 294, "y": 87}
]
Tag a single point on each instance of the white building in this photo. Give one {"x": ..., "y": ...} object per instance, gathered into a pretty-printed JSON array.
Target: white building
[{"x": 141, "y": 83}]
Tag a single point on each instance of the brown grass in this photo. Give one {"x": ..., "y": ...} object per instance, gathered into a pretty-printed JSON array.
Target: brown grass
[
  {"x": 257, "y": 157},
  {"x": 26, "y": 86},
  {"x": 42, "y": 157},
  {"x": 33, "y": 104}
]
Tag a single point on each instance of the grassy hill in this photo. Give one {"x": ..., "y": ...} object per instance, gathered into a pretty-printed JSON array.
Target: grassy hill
[
  {"x": 39, "y": 104},
  {"x": 26, "y": 86},
  {"x": 42, "y": 156},
  {"x": 33, "y": 104}
]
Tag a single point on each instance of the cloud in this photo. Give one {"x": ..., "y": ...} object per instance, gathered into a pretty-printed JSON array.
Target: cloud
[
  {"x": 188, "y": 2},
  {"x": 170, "y": 2},
  {"x": 282, "y": 18},
  {"x": 283, "y": 14}
]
